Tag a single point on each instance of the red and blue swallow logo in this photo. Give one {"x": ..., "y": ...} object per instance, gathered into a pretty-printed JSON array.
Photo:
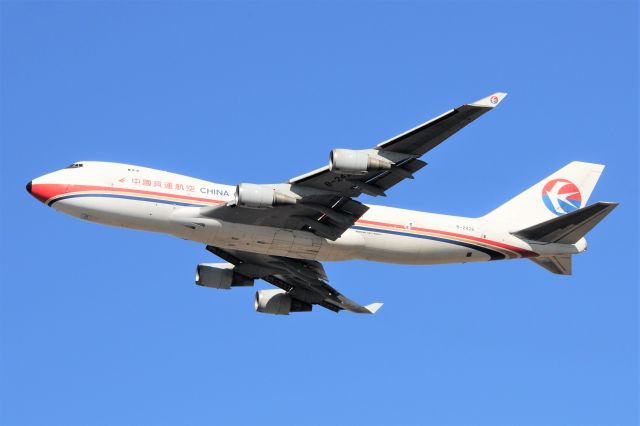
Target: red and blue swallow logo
[
  {"x": 561, "y": 196},
  {"x": 494, "y": 99}
]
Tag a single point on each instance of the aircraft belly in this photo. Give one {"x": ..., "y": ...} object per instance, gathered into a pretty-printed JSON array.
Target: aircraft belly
[
  {"x": 257, "y": 239},
  {"x": 281, "y": 243},
  {"x": 186, "y": 222},
  {"x": 353, "y": 244}
]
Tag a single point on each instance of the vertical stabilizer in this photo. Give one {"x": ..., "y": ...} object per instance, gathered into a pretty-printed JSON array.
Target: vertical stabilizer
[{"x": 563, "y": 192}]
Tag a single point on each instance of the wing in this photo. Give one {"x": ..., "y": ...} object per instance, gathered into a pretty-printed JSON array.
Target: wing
[
  {"x": 303, "y": 280},
  {"x": 403, "y": 151},
  {"x": 323, "y": 202}
]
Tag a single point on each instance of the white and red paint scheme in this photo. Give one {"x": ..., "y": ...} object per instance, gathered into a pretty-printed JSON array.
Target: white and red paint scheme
[
  {"x": 147, "y": 199},
  {"x": 279, "y": 233}
]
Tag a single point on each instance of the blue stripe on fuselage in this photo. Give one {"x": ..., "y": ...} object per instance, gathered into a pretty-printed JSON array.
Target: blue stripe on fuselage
[{"x": 494, "y": 255}]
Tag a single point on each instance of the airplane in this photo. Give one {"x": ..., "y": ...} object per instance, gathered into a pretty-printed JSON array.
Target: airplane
[{"x": 281, "y": 232}]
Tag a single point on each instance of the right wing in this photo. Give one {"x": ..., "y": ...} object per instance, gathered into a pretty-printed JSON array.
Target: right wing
[{"x": 303, "y": 280}]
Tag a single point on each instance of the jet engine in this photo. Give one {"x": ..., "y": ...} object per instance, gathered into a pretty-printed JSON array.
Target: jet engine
[
  {"x": 260, "y": 196},
  {"x": 278, "y": 302},
  {"x": 220, "y": 275},
  {"x": 356, "y": 162}
]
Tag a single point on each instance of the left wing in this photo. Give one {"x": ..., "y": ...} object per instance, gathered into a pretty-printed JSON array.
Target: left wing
[
  {"x": 303, "y": 280},
  {"x": 401, "y": 151},
  {"x": 322, "y": 201}
]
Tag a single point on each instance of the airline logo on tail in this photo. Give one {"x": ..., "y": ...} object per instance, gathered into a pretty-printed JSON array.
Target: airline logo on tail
[{"x": 561, "y": 196}]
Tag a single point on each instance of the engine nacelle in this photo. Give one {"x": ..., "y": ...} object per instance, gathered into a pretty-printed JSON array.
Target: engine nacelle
[
  {"x": 278, "y": 302},
  {"x": 355, "y": 162},
  {"x": 260, "y": 196},
  {"x": 220, "y": 275}
]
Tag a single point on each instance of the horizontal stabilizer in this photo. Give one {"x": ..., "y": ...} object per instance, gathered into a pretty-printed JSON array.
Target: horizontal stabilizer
[
  {"x": 568, "y": 228},
  {"x": 560, "y": 265}
]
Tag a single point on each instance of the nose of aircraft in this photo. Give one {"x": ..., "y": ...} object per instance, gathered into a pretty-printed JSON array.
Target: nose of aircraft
[{"x": 39, "y": 191}]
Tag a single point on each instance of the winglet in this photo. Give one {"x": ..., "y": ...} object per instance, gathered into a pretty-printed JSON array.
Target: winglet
[
  {"x": 490, "y": 101},
  {"x": 373, "y": 308}
]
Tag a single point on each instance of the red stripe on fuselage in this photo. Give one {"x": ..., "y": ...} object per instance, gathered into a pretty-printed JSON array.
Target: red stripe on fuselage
[
  {"x": 520, "y": 251},
  {"x": 47, "y": 191}
]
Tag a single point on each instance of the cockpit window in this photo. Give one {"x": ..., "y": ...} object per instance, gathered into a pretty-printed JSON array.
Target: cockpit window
[{"x": 75, "y": 166}]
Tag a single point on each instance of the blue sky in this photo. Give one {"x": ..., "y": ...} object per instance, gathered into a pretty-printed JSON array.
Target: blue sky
[{"x": 105, "y": 326}]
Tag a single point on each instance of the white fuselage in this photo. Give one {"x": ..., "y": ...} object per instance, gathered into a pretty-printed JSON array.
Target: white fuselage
[{"x": 152, "y": 200}]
